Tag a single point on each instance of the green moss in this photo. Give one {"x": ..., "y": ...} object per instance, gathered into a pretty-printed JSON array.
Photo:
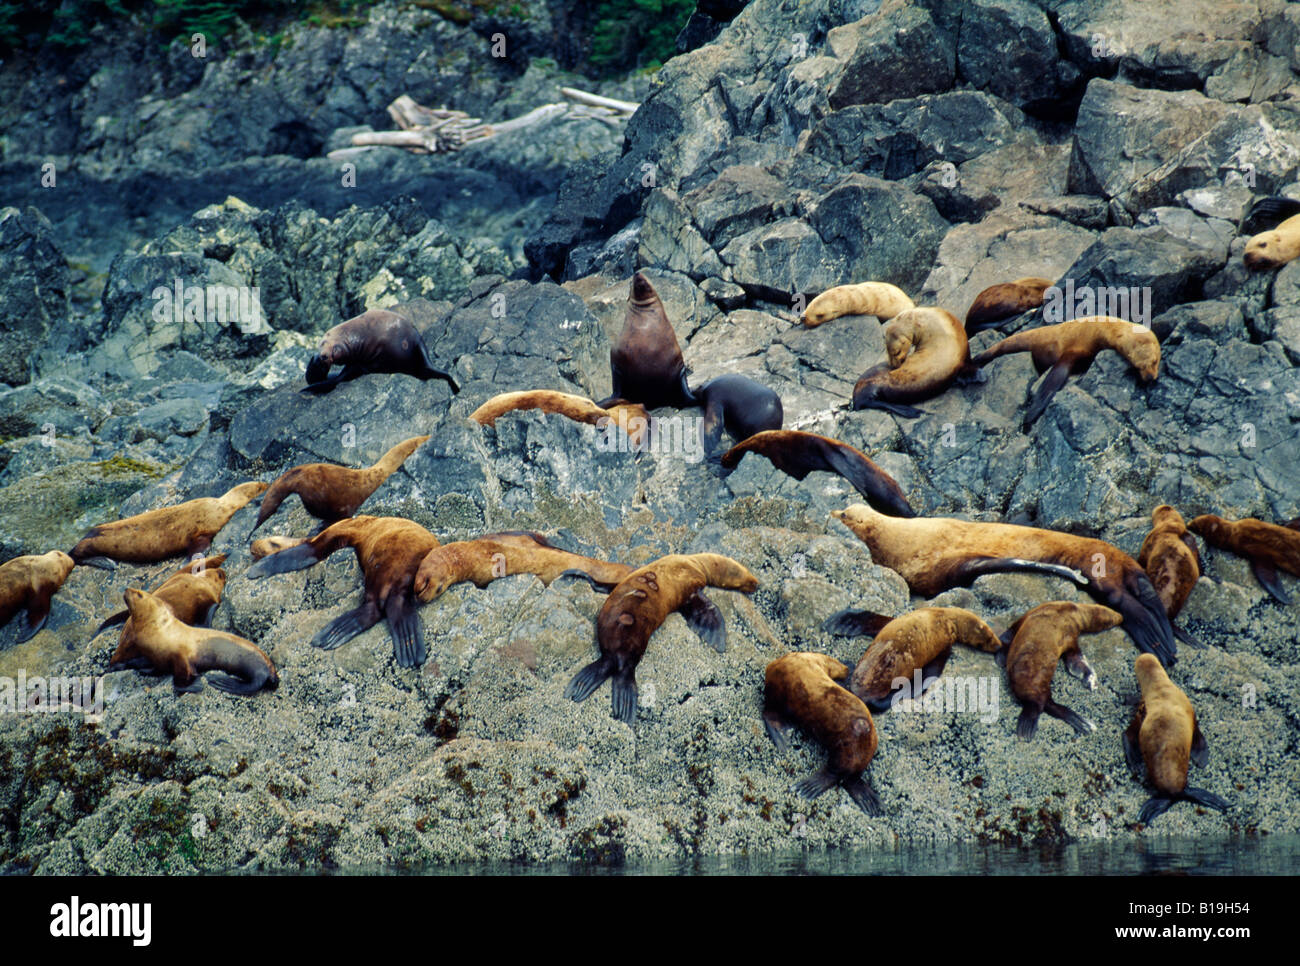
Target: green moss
[{"x": 125, "y": 466}]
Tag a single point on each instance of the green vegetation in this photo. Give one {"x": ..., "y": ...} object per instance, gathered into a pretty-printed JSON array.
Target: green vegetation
[{"x": 636, "y": 33}]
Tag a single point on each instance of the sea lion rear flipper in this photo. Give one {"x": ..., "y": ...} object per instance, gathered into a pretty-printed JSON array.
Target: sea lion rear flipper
[
  {"x": 590, "y": 677},
  {"x": 582, "y": 574},
  {"x": 284, "y": 561},
  {"x": 1268, "y": 579},
  {"x": 1200, "y": 755},
  {"x": 970, "y": 375},
  {"x": 1027, "y": 724},
  {"x": 1146, "y": 622},
  {"x": 38, "y": 612},
  {"x": 1186, "y": 638},
  {"x": 207, "y": 618},
  {"x": 688, "y": 395},
  {"x": 1050, "y": 386},
  {"x": 430, "y": 370},
  {"x": 898, "y": 409},
  {"x": 118, "y": 618},
  {"x": 816, "y": 784},
  {"x": 407, "y": 631},
  {"x": 855, "y": 623},
  {"x": 1077, "y": 721},
  {"x": 1268, "y": 213},
  {"x": 775, "y": 727},
  {"x": 1202, "y": 797},
  {"x": 880, "y": 489},
  {"x": 864, "y": 796},
  {"x": 966, "y": 572},
  {"x": 704, "y": 618},
  {"x": 1077, "y": 665},
  {"x": 623, "y": 695},
  {"x": 342, "y": 629},
  {"x": 1155, "y": 806}
]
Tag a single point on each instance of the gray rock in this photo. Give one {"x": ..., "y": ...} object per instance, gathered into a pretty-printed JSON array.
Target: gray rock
[
  {"x": 1008, "y": 48},
  {"x": 34, "y": 290},
  {"x": 898, "y": 52}
]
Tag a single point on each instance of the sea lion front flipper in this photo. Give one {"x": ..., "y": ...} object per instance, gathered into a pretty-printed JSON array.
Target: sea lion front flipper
[
  {"x": 864, "y": 796},
  {"x": 898, "y": 409},
  {"x": 704, "y": 618},
  {"x": 38, "y": 612},
  {"x": 100, "y": 563},
  {"x": 1202, "y": 797},
  {"x": 1267, "y": 577},
  {"x": 931, "y": 671},
  {"x": 1155, "y": 806},
  {"x": 1050, "y": 386},
  {"x": 1146, "y": 622},
  {"x": 346, "y": 374},
  {"x": 1130, "y": 741},
  {"x": 966, "y": 572},
  {"x": 816, "y": 784},
  {"x": 1077, "y": 721},
  {"x": 1268, "y": 213},
  {"x": 711, "y": 430},
  {"x": 590, "y": 678},
  {"x": 1077, "y": 665},
  {"x": 207, "y": 618},
  {"x": 775, "y": 727},
  {"x": 407, "y": 631},
  {"x": 880, "y": 489},
  {"x": 233, "y": 685},
  {"x": 855, "y": 623},
  {"x": 342, "y": 629},
  {"x": 118, "y": 618},
  {"x": 582, "y": 574},
  {"x": 284, "y": 561},
  {"x": 1200, "y": 755}
]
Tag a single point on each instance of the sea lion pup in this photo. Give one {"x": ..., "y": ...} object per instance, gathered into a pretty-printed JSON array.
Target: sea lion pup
[
  {"x": 1267, "y": 546},
  {"x": 163, "y": 643},
  {"x": 935, "y": 553},
  {"x": 172, "y": 531},
  {"x": 331, "y": 492},
  {"x": 1070, "y": 347},
  {"x": 1171, "y": 559},
  {"x": 918, "y": 641},
  {"x": 1035, "y": 643},
  {"x": 484, "y": 560},
  {"x": 380, "y": 340},
  {"x": 389, "y": 550},
  {"x": 28, "y": 583},
  {"x": 646, "y": 362},
  {"x": 640, "y": 603},
  {"x": 1274, "y": 248},
  {"x": 880, "y": 299},
  {"x": 578, "y": 408},
  {"x": 797, "y": 454},
  {"x": 927, "y": 351},
  {"x": 1003, "y": 301},
  {"x": 801, "y": 689},
  {"x": 191, "y": 594},
  {"x": 1164, "y": 736},
  {"x": 740, "y": 405}
]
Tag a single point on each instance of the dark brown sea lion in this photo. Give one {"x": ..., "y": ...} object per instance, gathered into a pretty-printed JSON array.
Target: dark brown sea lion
[
  {"x": 801, "y": 690},
  {"x": 380, "y": 340},
  {"x": 1171, "y": 559},
  {"x": 192, "y": 594},
  {"x": 797, "y": 454},
  {"x": 331, "y": 492},
  {"x": 484, "y": 560},
  {"x": 186, "y": 529},
  {"x": 997, "y": 303},
  {"x": 927, "y": 351},
  {"x": 1267, "y": 546},
  {"x": 631, "y": 417},
  {"x": 646, "y": 362},
  {"x": 1165, "y": 737},
  {"x": 28, "y": 583},
  {"x": 935, "y": 553},
  {"x": 640, "y": 603},
  {"x": 880, "y": 299},
  {"x": 740, "y": 405}
]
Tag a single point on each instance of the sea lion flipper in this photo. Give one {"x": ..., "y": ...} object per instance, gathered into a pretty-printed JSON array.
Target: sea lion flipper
[
  {"x": 583, "y": 575},
  {"x": 623, "y": 698},
  {"x": 100, "y": 563},
  {"x": 301, "y": 557},
  {"x": 855, "y": 623},
  {"x": 406, "y": 630},
  {"x": 1268, "y": 579},
  {"x": 233, "y": 685},
  {"x": 880, "y": 489},
  {"x": 775, "y": 727},
  {"x": 207, "y": 618},
  {"x": 1200, "y": 753},
  {"x": 347, "y": 626},
  {"x": 816, "y": 784},
  {"x": 1077, "y": 721},
  {"x": 711, "y": 429},
  {"x": 430, "y": 370},
  {"x": 1270, "y": 212},
  {"x": 1077, "y": 665},
  {"x": 118, "y": 618},
  {"x": 38, "y": 612},
  {"x": 864, "y": 796},
  {"x": 1185, "y": 637},
  {"x": 1027, "y": 724},
  {"x": 704, "y": 618},
  {"x": 1129, "y": 739},
  {"x": 1049, "y": 387},
  {"x": 1155, "y": 806},
  {"x": 590, "y": 678},
  {"x": 1210, "y": 800},
  {"x": 966, "y": 571},
  {"x": 898, "y": 409},
  {"x": 932, "y": 669}
]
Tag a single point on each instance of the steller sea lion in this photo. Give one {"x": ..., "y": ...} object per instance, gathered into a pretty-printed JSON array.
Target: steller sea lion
[
  {"x": 186, "y": 529},
  {"x": 578, "y": 408},
  {"x": 797, "y": 454},
  {"x": 935, "y": 553},
  {"x": 927, "y": 351},
  {"x": 1274, "y": 248},
  {"x": 639, "y": 604},
  {"x": 1267, "y": 546},
  {"x": 880, "y": 299},
  {"x": 269, "y": 545},
  {"x": 1165, "y": 737},
  {"x": 1070, "y": 347},
  {"x": 380, "y": 340},
  {"x": 1035, "y": 643},
  {"x": 163, "y": 643},
  {"x": 801, "y": 689},
  {"x": 484, "y": 560},
  {"x": 646, "y": 363},
  {"x": 741, "y": 405},
  {"x": 1171, "y": 559},
  {"x": 191, "y": 594},
  {"x": 28, "y": 583},
  {"x": 997, "y": 303},
  {"x": 331, "y": 492}
]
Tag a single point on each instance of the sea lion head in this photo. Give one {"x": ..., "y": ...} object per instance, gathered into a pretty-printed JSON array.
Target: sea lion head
[
  {"x": 818, "y": 311},
  {"x": 1208, "y": 525},
  {"x": 1142, "y": 349},
  {"x": 728, "y": 574},
  {"x": 642, "y": 290},
  {"x": 1267, "y": 250},
  {"x": 1165, "y": 515},
  {"x": 859, "y": 518},
  {"x": 145, "y": 608},
  {"x": 899, "y": 333},
  {"x": 61, "y": 562},
  {"x": 246, "y": 491},
  {"x": 1149, "y": 672}
]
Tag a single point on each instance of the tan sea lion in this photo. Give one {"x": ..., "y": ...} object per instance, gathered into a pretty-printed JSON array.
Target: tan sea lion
[
  {"x": 1274, "y": 248},
  {"x": 1165, "y": 737},
  {"x": 997, "y": 303},
  {"x": 1267, "y": 546},
  {"x": 801, "y": 689},
  {"x": 192, "y": 594},
  {"x": 646, "y": 362},
  {"x": 484, "y": 560},
  {"x": 186, "y": 529},
  {"x": 927, "y": 351},
  {"x": 640, "y": 603},
  {"x": 380, "y": 340},
  {"x": 166, "y": 644},
  {"x": 268, "y": 545},
  {"x": 935, "y": 553},
  {"x": 631, "y": 417},
  {"x": 880, "y": 299},
  {"x": 28, "y": 583},
  {"x": 1171, "y": 559}
]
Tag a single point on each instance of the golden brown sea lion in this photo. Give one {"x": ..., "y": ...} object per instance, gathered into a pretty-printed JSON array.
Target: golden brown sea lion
[
  {"x": 268, "y": 545},
  {"x": 484, "y": 560},
  {"x": 797, "y": 454},
  {"x": 173, "y": 531},
  {"x": 927, "y": 351},
  {"x": 1171, "y": 559},
  {"x": 380, "y": 340},
  {"x": 997, "y": 303},
  {"x": 640, "y": 603},
  {"x": 880, "y": 299},
  {"x": 801, "y": 689},
  {"x": 935, "y": 553},
  {"x": 741, "y": 405},
  {"x": 1070, "y": 347},
  {"x": 646, "y": 362},
  {"x": 632, "y": 418},
  {"x": 1272, "y": 249},
  {"x": 28, "y": 583},
  {"x": 1267, "y": 546},
  {"x": 1164, "y": 736},
  {"x": 331, "y": 492},
  {"x": 1035, "y": 643},
  {"x": 912, "y": 649},
  {"x": 166, "y": 644},
  {"x": 191, "y": 594}
]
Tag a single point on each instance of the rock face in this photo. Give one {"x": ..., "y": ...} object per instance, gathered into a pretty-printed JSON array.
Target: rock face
[{"x": 943, "y": 148}]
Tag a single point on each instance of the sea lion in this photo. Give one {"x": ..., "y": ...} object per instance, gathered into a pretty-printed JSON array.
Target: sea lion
[
  {"x": 1276, "y": 247},
  {"x": 1267, "y": 546},
  {"x": 1171, "y": 559},
  {"x": 797, "y": 454},
  {"x": 389, "y": 550},
  {"x": 186, "y": 529},
  {"x": 484, "y": 560},
  {"x": 640, "y": 603},
  {"x": 28, "y": 583},
  {"x": 380, "y": 340},
  {"x": 191, "y": 594},
  {"x": 935, "y": 553},
  {"x": 918, "y": 641},
  {"x": 268, "y": 545},
  {"x": 1070, "y": 347},
  {"x": 632, "y": 418},
  {"x": 997, "y": 303},
  {"x": 1035, "y": 643},
  {"x": 163, "y": 643},
  {"x": 331, "y": 492},
  {"x": 927, "y": 351},
  {"x": 646, "y": 362},
  {"x": 1165, "y": 737},
  {"x": 741, "y": 405},
  {"x": 801, "y": 689},
  {"x": 880, "y": 299}
]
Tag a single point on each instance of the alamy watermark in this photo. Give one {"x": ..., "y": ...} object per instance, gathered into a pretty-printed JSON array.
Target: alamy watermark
[
  {"x": 953, "y": 694},
  {"x": 210, "y": 305},
  {"x": 673, "y": 435},
  {"x": 1132, "y": 304},
  {"x": 31, "y": 695}
]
